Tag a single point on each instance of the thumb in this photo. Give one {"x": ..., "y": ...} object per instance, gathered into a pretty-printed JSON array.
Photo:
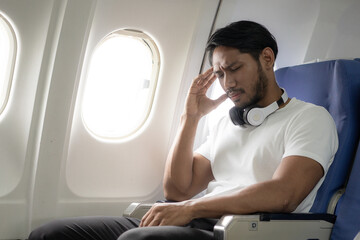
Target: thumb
[{"x": 220, "y": 100}]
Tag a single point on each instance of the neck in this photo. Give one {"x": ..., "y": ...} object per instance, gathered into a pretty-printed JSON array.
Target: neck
[{"x": 273, "y": 94}]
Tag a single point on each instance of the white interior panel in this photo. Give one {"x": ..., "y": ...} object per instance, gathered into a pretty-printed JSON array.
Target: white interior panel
[
  {"x": 337, "y": 31},
  {"x": 290, "y": 21},
  {"x": 305, "y": 30},
  {"x": 30, "y": 21},
  {"x": 68, "y": 36},
  {"x": 15, "y": 120},
  {"x": 120, "y": 169}
]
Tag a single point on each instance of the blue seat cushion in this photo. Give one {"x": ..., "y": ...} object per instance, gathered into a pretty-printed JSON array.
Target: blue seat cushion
[{"x": 347, "y": 224}]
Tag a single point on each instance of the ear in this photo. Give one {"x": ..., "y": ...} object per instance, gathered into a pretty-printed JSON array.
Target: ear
[{"x": 267, "y": 58}]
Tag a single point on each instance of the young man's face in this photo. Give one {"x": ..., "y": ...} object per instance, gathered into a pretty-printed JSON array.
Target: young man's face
[{"x": 241, "y": 77}]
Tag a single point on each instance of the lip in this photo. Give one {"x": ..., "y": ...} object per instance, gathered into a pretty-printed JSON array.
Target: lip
[{"x": 234, "y": 95}]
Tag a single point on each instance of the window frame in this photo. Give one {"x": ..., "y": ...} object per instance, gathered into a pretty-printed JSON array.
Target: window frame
[
  {"x": 5, "y": 92},
  {"x": 153, "y": 47}
]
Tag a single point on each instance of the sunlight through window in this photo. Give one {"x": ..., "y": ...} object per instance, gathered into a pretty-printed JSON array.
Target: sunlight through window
[
  {"x": 120, "y": 84},
  {"x": 7, "y": 60}
]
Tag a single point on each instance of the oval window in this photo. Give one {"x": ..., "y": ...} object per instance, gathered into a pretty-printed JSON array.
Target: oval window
[
  {"x": 7, "y": 60},
  {"x": 120, "y": 84}
]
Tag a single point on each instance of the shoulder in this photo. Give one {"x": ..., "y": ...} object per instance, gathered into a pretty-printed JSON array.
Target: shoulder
[
  {"x": 310, "y": 122},
  {"x": 301, "y": 111},
  {"x": 300, "y": 106},
  {"x": 312, "y": 133}
]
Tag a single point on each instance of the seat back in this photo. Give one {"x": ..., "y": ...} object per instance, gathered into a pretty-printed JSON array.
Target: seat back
[
  {"x": 335, "y": 85},
  {"x": 347, "y": 223}
]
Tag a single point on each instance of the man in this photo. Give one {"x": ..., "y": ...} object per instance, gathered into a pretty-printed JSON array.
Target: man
[{"x": 277, "y": 165}]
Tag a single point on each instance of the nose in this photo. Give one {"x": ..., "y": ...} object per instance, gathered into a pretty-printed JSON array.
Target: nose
[{"x": 229, "y": 81}]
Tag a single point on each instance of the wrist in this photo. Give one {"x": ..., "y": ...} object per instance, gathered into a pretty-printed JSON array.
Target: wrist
[
  {"x": 190, "y": 117},
  {"x": 190, "y": 207},
  {"x": 195, "y": 208},
  {"x": 205, "y": 208}
]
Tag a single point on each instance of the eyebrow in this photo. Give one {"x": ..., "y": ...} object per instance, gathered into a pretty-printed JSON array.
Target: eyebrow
[{"x": 227, "y": 67}]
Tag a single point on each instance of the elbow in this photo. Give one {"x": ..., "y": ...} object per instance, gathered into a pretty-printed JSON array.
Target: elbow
[
  {"x": 290, "y": 200},
  {"x": 287, "y": 205},
  {"x": 175, "y": 197},
  {"x": 171, "y": 193}
]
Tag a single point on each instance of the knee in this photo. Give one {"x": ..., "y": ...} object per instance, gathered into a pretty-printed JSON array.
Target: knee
[
  {"x": 136, "y": 233},
  {"x": 51, "y": 230}
]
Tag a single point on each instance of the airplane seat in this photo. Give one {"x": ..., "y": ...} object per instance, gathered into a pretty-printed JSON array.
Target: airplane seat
[
  {"x": 347, "y": 225},
  {"x": 357, "y": 237},
  {"x": 335, "y": 85}
]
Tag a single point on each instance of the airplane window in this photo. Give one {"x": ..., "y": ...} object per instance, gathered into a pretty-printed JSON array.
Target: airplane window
[
  {"x": 7, "y": 59},
  {"x": 120, "y": 84}
]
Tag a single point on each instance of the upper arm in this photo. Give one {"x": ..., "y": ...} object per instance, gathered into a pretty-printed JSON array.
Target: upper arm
[
  {"x": 202, "y": 173},
  {"x": 310, "y": 145},
  {"x": 298, "y": 175}
]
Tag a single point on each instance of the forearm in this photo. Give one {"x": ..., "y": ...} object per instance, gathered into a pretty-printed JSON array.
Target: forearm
[
  {"x": 271, "y": 196},
  {"x": 179, "y": 165},
  {"x": 293, "y": 180},
  {"x": 185, "y": 174},
  {"x": 263, "y": 197}
]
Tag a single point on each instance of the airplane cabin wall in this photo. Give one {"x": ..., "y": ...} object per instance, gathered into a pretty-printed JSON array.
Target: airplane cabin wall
[
  {"x": 306, "y": 31},
  {"x": 42, "y": 133},
  {"x": 337, "y": 32},
  {"x": 100, "y": 175},
  {"x": 30, "y": 21},
  {"x": 52, "y": 167}
]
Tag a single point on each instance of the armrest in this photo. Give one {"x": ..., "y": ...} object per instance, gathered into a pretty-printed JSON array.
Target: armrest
[
  {"x": 275, "y": 226},
  {"x": 137, "y": 210}
]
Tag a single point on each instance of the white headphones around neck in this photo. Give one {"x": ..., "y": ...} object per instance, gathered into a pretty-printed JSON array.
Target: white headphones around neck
[{"x": 254, "y": 115}]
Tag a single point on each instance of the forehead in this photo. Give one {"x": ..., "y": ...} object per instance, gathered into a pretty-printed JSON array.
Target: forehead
[{"x": 226, "y": 56}]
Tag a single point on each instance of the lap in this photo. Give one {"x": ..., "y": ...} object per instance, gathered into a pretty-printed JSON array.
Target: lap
[
  {"x": 83, "y": 228},
  {"x": 112, "y": 228},
  {"x": 166, "y": 233}
]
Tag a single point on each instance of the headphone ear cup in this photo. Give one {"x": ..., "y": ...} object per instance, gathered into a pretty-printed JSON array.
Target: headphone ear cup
[
  {"x": 237, "y": 115},
  {"x": 254, "y": 116}
]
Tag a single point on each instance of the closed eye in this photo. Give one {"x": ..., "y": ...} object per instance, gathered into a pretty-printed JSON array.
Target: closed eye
[
  {"x": 234, "y": 69},
  {"x": 219, "y": 74}
]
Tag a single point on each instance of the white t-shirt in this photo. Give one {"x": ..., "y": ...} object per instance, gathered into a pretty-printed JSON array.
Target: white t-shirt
[{"x": 242, "y": 156}]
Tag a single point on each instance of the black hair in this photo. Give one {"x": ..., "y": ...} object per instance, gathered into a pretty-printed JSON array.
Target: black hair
[{"x": 247, "y": 36}]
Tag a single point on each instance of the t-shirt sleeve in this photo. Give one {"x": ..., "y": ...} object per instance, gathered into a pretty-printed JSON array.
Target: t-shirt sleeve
[
  {"x": 312, "y": 134},
  {"x": 205, "y": 148}
]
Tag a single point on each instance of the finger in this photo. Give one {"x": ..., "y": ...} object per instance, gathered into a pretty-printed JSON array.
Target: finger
[
  {"x": 142, "y": 222},
  {"x": 145, "y": 219},
  {"x": 206, "y": 83},
  {"x": 154, "y": 223},
  {"x": 204, "y": 77},
  {"x": 210, "y": 81},
  {"x": 220, "y": 100},
  {"x": 208, "y": 72}
]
